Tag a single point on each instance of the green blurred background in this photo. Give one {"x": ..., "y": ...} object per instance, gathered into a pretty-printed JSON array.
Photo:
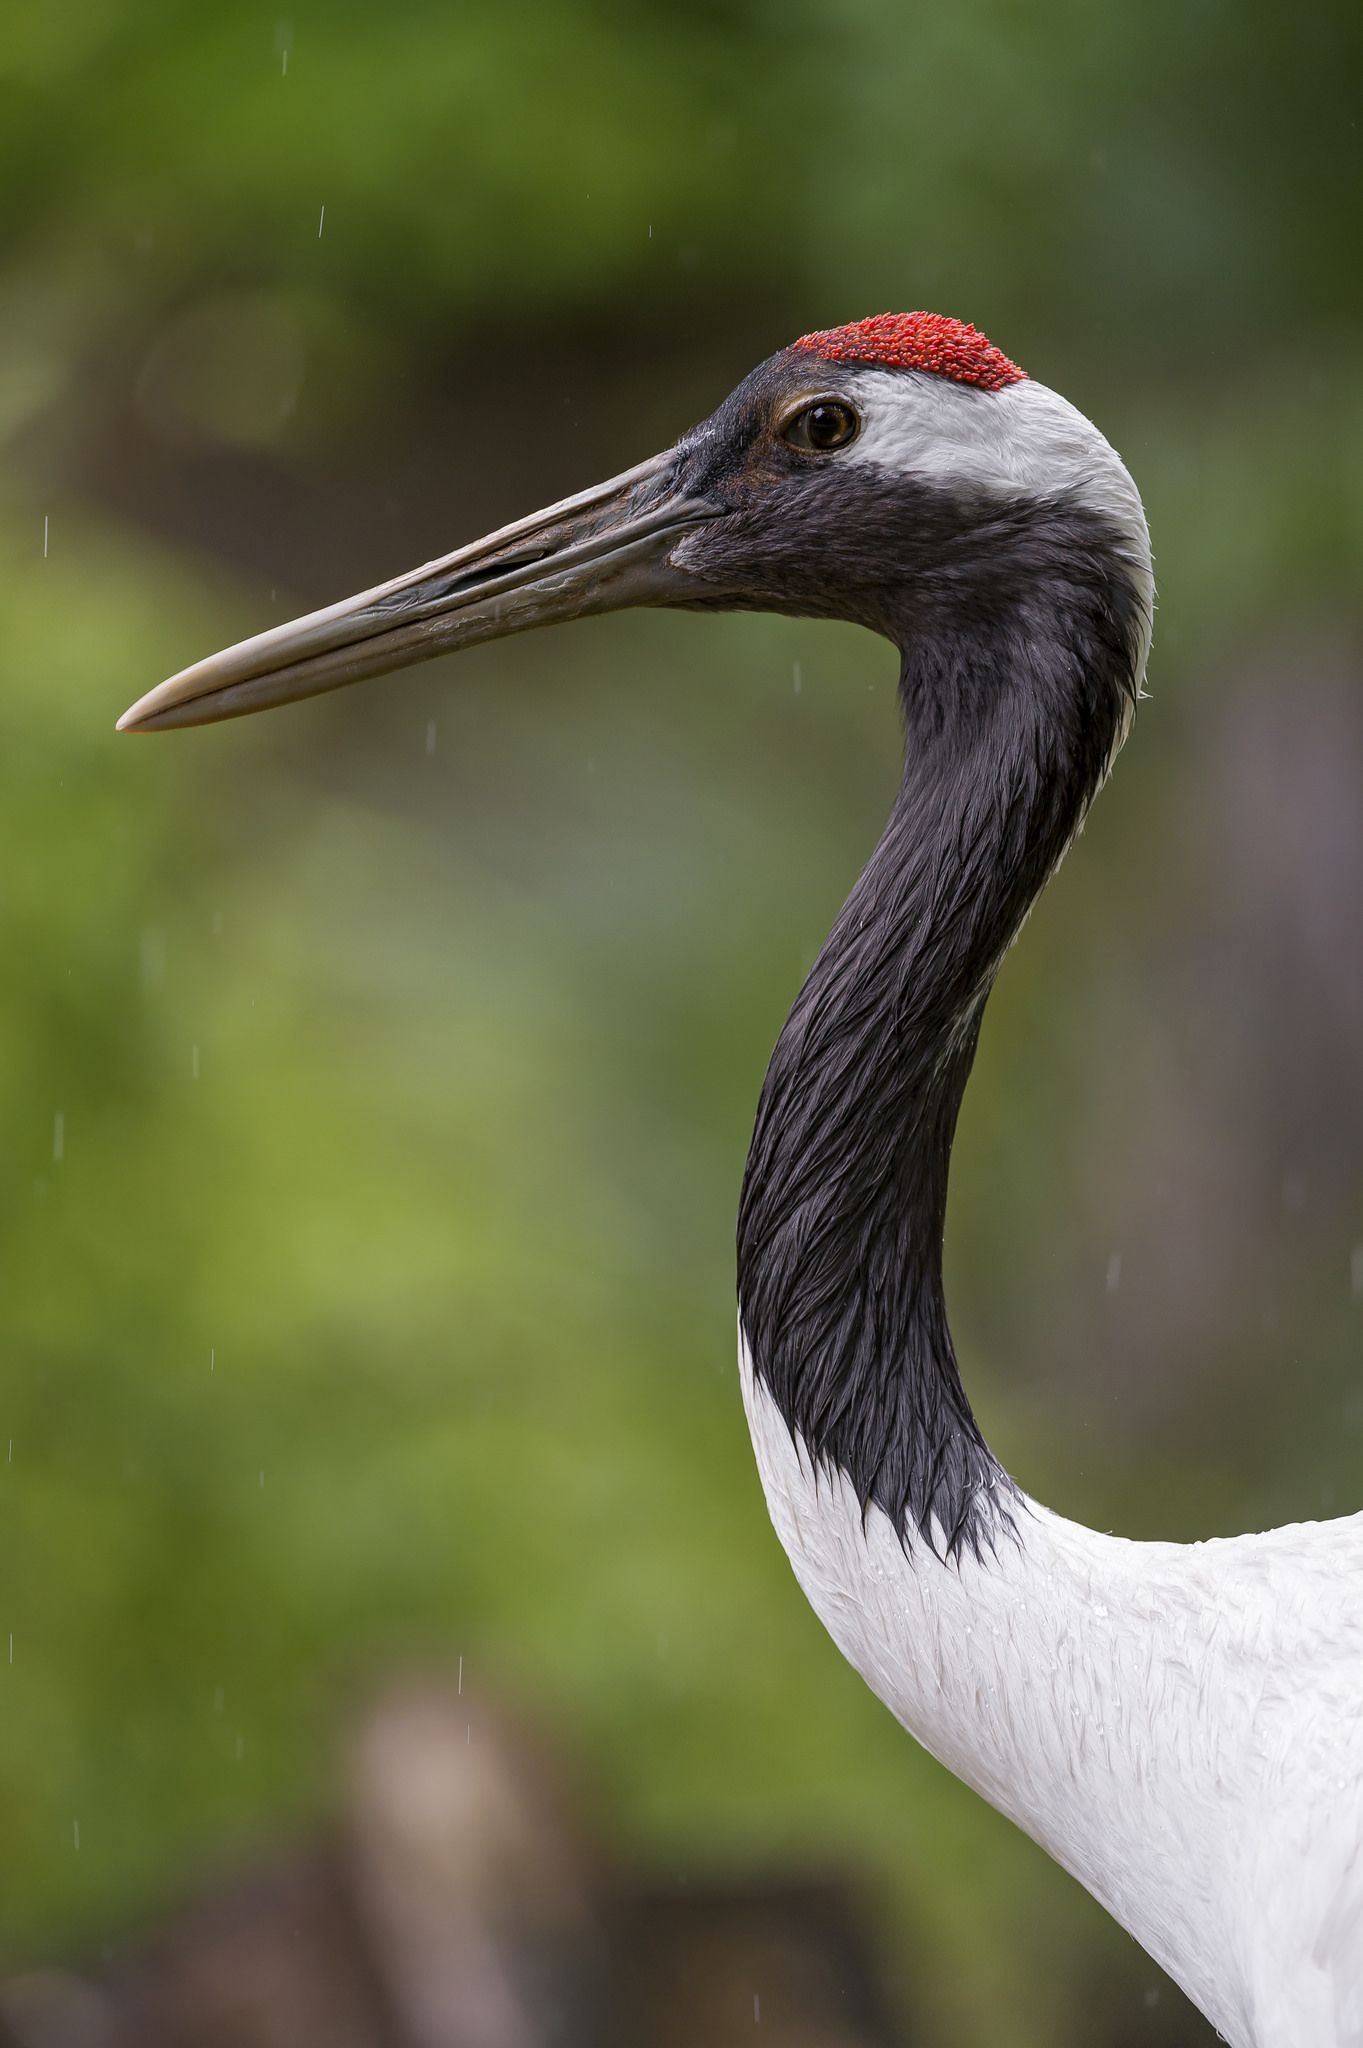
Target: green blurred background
[{"x": 375, "y": 1079}]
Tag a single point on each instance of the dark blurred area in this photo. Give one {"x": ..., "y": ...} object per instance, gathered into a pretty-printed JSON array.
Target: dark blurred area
[
  {"x": 376, "y": 1078},
  {"x": 457, "y": 1902}
]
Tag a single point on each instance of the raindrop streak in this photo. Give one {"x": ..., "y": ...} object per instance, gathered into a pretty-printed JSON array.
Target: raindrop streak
[
  {"x": 756, "y": 2009},
  {"x": 45, "y": 516},
  {"x": 1356, "y": 1272},
  {"x": 213, "y": 1358},
  {"x": 1114, "y": 1272},
  {"x": 75, "y": 1832},
  {"x": 460, "y": 1687},
  {"x": 11, "y": 1646},
  {"x": 58, "y": 1138},
  {"x": 321, "y": 221},
  {"x": 152, "y": 955},
  {"x": 430, "y": 736},
  {"x": 194, "y": 1062}
]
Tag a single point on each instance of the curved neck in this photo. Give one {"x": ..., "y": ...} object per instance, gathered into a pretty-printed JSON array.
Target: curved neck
[{"x": 844, "y": 1197}]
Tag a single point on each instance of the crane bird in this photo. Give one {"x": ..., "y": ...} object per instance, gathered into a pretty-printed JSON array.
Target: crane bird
[{"x": 1179, "y": 1726}]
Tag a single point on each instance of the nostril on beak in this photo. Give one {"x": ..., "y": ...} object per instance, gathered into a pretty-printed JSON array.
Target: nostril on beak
[{"x": 469, "y": 579}]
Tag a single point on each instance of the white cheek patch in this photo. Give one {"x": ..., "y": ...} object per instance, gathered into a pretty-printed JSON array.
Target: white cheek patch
[{"x": 1024, "y": 440}]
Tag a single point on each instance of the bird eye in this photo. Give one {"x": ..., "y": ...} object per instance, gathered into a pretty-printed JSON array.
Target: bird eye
[{"x": 820, "y": 428}]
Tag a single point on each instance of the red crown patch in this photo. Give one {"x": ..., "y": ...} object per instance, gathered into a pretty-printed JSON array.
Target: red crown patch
[{"x": 918, "y": 341}]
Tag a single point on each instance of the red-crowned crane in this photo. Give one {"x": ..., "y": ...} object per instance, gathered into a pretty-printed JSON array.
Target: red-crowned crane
[{"x": 1179, "y": 1726}]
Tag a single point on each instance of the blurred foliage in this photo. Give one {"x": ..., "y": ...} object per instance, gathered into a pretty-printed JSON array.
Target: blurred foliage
[{"x": 375, "y": 1081}]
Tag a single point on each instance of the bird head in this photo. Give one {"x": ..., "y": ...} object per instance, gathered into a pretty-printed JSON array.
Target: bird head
[{"x": 900, "y": 472}]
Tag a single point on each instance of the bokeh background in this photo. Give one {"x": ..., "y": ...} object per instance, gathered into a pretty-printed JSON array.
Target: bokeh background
[{"x": 375, "y": 1078}]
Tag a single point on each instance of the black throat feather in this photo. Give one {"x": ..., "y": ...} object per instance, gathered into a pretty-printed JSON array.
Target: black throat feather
[{"x": 1016, "y": 690}]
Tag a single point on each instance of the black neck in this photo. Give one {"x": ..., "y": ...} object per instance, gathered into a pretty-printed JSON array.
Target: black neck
[{"x": 844, "y": 1198}]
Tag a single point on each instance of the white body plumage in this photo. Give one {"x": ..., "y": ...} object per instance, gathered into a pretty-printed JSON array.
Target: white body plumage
[{"x": 1179, "y": 1726}]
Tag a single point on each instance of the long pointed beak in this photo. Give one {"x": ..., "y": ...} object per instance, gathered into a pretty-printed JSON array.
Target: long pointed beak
[{"x": 600, "y": 551}]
